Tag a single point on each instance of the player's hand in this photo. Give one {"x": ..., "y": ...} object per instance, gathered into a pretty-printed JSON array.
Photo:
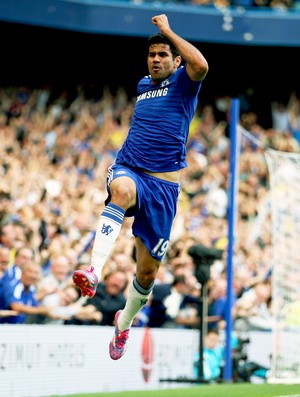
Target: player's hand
[{"x": 162, "y": 22}]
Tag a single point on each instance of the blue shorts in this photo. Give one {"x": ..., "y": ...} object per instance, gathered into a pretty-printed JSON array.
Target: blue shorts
[{"x": 155, "y": 210}]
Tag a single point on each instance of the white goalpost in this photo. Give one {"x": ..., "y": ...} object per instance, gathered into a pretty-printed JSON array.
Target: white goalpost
[{"x": 284, "y": 170}]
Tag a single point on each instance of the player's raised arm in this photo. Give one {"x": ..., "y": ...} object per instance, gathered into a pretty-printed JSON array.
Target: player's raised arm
[{"x": 197, "y": 66}]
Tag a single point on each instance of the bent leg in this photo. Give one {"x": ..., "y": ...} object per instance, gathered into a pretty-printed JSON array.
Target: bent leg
[{"x": 123, "y": 196}]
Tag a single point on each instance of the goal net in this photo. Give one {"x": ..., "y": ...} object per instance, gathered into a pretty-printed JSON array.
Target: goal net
[{"x": 284, "y": 171}]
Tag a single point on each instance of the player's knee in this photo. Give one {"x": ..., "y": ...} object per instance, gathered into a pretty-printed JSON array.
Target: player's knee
[
  {"x": 146, "y": 281},
  {"x": 147, "y": 277},
  {"x": 124, "y": 195}
]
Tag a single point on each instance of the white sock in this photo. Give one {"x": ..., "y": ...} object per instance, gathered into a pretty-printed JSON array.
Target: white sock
[
  {"x": 137, "y": 298},
  {"x": 108, "y": 230}
]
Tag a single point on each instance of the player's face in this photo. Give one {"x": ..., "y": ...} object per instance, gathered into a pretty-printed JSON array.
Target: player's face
[{"x": 161, "y": 63}]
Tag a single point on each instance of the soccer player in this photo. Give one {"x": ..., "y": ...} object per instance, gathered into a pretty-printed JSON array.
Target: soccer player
[{"x": 144, "y": 181}]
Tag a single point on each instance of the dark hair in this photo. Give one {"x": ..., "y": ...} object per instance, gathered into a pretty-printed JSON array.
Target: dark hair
[
  {"x": 213, "y": 331},
  {"x": 159, "y": 38},
  {"x": 179, "y": 280}
]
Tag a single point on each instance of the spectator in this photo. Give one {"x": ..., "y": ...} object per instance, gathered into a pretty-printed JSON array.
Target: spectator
[
  {"x": 213, "y": 357},
  {"x": 57, "y": 278},
  {"x": 20, "y": 297},
  {"x": 23, "y": 257},
  {"x": 217, "y": 298},
  {"x": 252, "y": 310},
  {"x": 172, "y": 306},
  {"x": 184, "y": 266},
  {"x": 280, "y": 116},
  {"x": 8, "y": 238},
  {"x": 4, "y": 261}
]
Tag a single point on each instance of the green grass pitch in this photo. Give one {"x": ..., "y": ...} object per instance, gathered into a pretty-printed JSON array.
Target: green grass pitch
[{"x": 223, "y": 390}]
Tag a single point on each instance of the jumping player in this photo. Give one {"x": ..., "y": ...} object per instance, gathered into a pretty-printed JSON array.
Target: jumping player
[{"x": 144, "y": 181}]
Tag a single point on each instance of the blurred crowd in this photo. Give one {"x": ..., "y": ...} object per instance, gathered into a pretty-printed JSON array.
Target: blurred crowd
[
  {"x": 276, "y": 5},
  {"x": 55, "y": 149}
]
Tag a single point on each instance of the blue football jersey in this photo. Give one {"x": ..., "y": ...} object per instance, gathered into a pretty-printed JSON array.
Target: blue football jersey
[{"x": 157, "y": 138}]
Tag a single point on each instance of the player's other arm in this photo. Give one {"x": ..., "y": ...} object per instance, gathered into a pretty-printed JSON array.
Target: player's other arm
[{"x": 197, "y": 66}]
